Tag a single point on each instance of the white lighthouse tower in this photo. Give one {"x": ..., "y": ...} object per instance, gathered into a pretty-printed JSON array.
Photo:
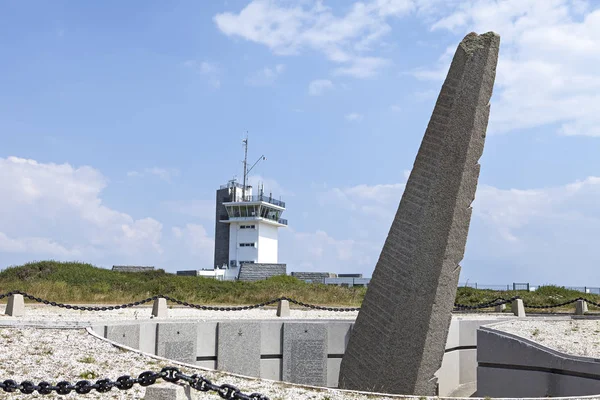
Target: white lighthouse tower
[{"x": 246, "y": 229}]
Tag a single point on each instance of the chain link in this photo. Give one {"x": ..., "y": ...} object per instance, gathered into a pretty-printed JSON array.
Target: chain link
[
  {"x": 126, "y": 382},
  {"x": 499, "y": 301},
  {"x": 562, "y": 304},
  {"x": 496, "y": 302},
  {"x": 493, "y": 303},
  {"x": 183, "y": 303}
]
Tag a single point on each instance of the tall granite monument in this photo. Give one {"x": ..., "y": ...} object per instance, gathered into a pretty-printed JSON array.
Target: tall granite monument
[{"x": 399, "y": 337}]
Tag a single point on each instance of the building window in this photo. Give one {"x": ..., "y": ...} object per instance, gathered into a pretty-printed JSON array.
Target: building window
[
  {"x": 247, "y": 244},
  {"x": 247, "y": 226}
]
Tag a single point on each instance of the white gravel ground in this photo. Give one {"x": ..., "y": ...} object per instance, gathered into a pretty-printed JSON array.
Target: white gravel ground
[
  {"x": 51, "y": 354},
  {"x": 37, "y": 354},
  {"x": 54, "y": 355},
  {"x": 575, "y": 337}
]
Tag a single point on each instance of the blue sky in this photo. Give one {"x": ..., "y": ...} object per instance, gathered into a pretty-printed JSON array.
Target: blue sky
[{"x": 118, "y": 121}]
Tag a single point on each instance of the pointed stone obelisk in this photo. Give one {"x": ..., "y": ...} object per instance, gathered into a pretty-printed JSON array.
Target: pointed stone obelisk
[{"x": 398, "y": 340}]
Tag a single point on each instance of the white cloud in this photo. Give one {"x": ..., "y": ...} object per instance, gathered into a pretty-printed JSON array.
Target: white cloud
[
  {"x": 204, "y": 209},
  {"x": 319, "y": 86},
  {"x": 209, "y": 70},
  {"x": 56, "y": 211},
  {"x": 530, "y": 234},
  {"x": 320, "y": 252},
  {"x": 270, "y": 186},
  {"x": 197, "y": 241},
  {"x": 166, "y": 174},
  {"x": 547, "y": 67},
  {"x": 266, "y": 76},
  {"x": 342, "y": 39},
  {"x": 396, "y": 107},
  {"x": 353, "y": 117},
  {"x": 363, "y": 67}
]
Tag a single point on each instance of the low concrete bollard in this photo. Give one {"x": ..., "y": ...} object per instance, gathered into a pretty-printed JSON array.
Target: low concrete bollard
[
  {"x": 283, "y": 308},
  {"x": 500, "y": 307},
  {"x": 168, "y": 391},
  {"x": 15, "y": 307},
  {"x": 159, "y": 309},
  {"x": 581, "y": 307},
  {"x": 518, "y": 308}
]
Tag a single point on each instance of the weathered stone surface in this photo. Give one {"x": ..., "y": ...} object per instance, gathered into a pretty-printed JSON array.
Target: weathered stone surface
[
  {"x": 397, "y": 343},
  {"x": 500, "y": 308},
  {"x": 238, "y": 348},
  {"x": 260, "y": 271},
  {"x": 127, "y": 335},
  {"x": 177, "y": 341},
  {"x": 15, "y": 306},
  {"x": 305, "y": 353}
]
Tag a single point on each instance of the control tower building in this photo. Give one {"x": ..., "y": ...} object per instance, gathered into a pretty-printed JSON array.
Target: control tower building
[{"x": 246, "y": 230}]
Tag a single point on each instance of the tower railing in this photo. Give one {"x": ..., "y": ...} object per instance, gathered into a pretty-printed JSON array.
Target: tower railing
[{"x": 266, "y": 199}]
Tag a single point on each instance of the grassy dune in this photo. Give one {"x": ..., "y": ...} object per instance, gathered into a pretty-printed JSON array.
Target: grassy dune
[{"x": 74, "y": 282}]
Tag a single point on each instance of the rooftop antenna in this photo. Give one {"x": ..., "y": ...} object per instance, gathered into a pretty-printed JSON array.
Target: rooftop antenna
[{"x": 246, "y": 170}]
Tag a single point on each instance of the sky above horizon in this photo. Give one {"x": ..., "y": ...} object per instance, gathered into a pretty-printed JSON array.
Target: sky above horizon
[{"x": 118, "y": 122}]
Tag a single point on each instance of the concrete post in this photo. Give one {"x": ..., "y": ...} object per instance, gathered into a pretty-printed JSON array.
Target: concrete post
[
  {"x": 500, "y": 308},
  {"x": 581, "y": 307},
  {"x": 159, "y": 309},
  {"x": 283, "y": 308},
  {"x": 517, "y": 308},
  {"x": 168, "y": 391},
  {"x": 15, "y": 307}
]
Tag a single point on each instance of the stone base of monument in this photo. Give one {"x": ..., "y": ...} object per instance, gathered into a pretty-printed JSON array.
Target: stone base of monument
[
  {"x": 512, "y": 366},
  {"x": 298, "y": 351}
]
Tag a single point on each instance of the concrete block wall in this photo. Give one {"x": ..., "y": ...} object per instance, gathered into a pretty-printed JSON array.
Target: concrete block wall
[
  {"x": 262, "y": 349},
  {"x": 259, "y": 271},
  {"x": 531, "y": 369},
  {"x": 313, "y": 276}
]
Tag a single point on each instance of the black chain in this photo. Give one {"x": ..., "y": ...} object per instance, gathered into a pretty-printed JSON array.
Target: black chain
[
  {"x": 147, "y": 378},
  {"x": 493, "y": 303},
  {"x": 499, "y": 301},
  {"x": 496, "y": 302},
  {"x": 563, "y": 304},
  {"x": 183, "y": 303},
  {"x": 74, "y": 307}
]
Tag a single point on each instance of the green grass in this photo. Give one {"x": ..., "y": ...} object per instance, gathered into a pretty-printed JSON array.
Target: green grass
[
  {"x": 74, "y": 282},
  {"x": 84, "y": 283},
  {"x": 544, "y": 295}
]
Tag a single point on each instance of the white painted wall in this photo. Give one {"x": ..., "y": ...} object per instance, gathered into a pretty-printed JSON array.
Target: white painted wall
[
  {"x": 267, "y": 243},
  {"x": 237, "y": 236}
]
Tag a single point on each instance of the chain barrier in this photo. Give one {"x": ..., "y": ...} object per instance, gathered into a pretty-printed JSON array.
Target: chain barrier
[
  {"x": 499, "y": 301},
  {"x": 147, "y": 378},
  {"x": 183, "y": 303},
  {"x": 496, "y": 302},
  {"x": 493, "y": 303},
  {"x": 563, "y": 304}
]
